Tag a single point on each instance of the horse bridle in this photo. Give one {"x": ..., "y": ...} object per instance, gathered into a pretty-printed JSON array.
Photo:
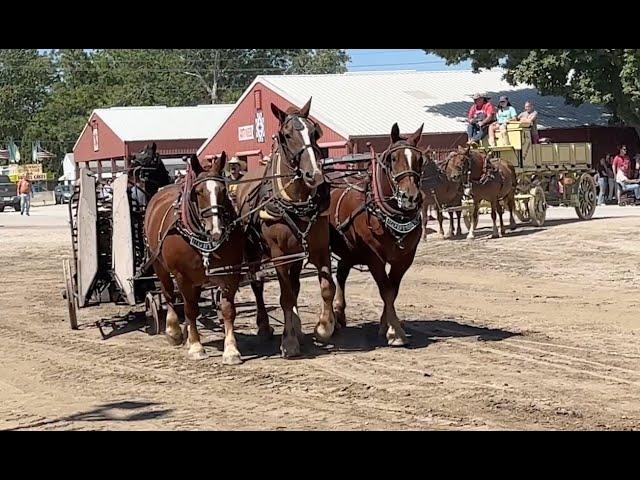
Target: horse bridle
[
  {"x": 211, "y": 210},
  {"x": 293, "y": 158},
  {"x": 465, "y": 167},
  {"x": 394, "y": 178},
  {"x": 141, "y": 171}
]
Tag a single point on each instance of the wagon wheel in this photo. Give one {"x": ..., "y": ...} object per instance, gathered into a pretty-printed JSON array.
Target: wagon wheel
[
  {"x": 537, "y": 206},
  {"x": 586, "y": 197},
  {"x": 68, "y": 294},
  {"x": 156, "y": 316},
  {"x": 467, "y": 208}
]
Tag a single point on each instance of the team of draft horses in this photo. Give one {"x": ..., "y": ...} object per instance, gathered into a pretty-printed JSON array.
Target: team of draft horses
[{"x": 295, "y": 209}]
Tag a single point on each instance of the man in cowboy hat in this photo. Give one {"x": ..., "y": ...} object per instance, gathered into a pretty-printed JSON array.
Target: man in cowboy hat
[
  {"x": 481, "y": 114},
  {"x": 234, "y": 168},
  {"x": 234, "y": 174}
]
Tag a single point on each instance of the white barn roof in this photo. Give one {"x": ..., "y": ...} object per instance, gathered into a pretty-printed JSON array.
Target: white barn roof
[
  {"x": 164, "y": 123},
  {"x": 369, "y": 103}
]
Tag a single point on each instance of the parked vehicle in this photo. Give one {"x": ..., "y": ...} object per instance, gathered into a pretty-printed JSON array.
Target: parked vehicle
[
  {"x": 8, "y": 195},
  {"x": 63, "y": 193}
]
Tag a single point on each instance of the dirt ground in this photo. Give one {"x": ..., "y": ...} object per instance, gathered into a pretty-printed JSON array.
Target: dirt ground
[{"x": 537, "y": 330}]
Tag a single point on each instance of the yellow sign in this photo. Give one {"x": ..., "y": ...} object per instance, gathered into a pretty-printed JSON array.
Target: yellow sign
[{"x": 32, "y": 168}]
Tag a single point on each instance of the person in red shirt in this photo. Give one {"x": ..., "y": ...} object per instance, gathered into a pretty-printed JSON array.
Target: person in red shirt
[
  {"x": 622, "y": 161},
  {"x": 481, "y": 114}
]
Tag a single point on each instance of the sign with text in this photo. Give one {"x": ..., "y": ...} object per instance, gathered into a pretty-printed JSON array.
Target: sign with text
[
  {"x": 31, "y": 168},
  {"x": 245, "y": 133}
]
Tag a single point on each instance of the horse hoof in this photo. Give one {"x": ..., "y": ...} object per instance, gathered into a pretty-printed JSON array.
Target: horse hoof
[
  {"x": 323, "y": 333},
  {"x": 397, "y": 341},
  {"x": 231, "y": 358},
  {"x": 396, "y": 337},
  {"x": 175, "y": 339},
  {"x": 265, "y": 333},
  {"x": 495, "y": 235},
  {"x": 197, "y": 353},
  {"x": 470, "y": 237},
  {"x": 290, "y": 347}
]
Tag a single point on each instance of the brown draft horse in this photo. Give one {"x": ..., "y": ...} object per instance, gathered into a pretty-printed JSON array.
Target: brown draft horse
[
  {"x": 440, "y": 192},
  {"x": 493, "y": 180},
  {"x": 188, "y": 227},
  {"x": 284, "y": 212},
  {"x": 375, "y": 221}
]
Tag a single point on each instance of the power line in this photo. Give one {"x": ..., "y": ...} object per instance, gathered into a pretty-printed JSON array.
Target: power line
[{"x": 377, "y": 52}]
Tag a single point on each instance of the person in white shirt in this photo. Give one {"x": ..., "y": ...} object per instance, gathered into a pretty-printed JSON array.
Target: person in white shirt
[{"x": 628, "y": 184}]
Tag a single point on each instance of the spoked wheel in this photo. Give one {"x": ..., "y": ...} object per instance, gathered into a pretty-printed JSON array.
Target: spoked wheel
[
  {"x": 68, "y": 294},
  {"x": 537, "y": 207},
  {"x": 586, "y": 197},
  {"x": 156, "y": 316}
]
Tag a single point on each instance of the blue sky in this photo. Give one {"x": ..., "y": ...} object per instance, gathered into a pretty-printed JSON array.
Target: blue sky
[{"x": 397, "y": 59}]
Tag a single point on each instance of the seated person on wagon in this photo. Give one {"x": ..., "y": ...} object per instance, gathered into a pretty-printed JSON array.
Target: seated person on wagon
[
  {"x": 530, "y": 118},
  {"x": 628, "y": 184},
  {"x": 480, "y": 115},
  {"x": 504, "y": 114}
]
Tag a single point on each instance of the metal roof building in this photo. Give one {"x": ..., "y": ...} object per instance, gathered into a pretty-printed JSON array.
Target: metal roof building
[
  {"x": 118, "y": 133},
  {"x": 356, "y": 108}
]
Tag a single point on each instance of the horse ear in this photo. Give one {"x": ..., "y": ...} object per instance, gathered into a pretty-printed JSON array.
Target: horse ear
[
  {"x": 219, "y": 163},
  {"x": 279, "y": 114},
  {"x": 195, "y": 165},
  {"x": 154, "y": 147},
  {"x": 304, "y": 111},
  {"x": 395, "y": 133},
  {"x": 415, "y": 138}
]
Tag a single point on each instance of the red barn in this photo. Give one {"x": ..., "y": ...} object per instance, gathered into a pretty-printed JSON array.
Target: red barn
[
  {"x": 356, "y": 108},
  {"x": 116, "y": 134}
]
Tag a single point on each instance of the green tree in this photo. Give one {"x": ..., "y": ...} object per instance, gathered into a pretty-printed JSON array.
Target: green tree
[
  {"x": 74, "y": 94},
  {"x": 48, "y": 96},
  {"x": 26, "y": 79},
  {"x": 320, "y": 61},
  {"x": 223, "y": 74},
  {"x": 144, "y": 77},
  {"x": 607, "y": 76}
]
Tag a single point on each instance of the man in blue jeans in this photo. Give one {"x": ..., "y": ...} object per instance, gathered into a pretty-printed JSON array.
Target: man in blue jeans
[
  {"x": 628, "y": 184},
  {"x": 24, "y": 190},
  {"x": 481, "y": 114}
]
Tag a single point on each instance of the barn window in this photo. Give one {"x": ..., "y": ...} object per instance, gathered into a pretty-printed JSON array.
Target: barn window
[
  {"x": 258, "y": 99},
  {"x": 96, "y": 145}
]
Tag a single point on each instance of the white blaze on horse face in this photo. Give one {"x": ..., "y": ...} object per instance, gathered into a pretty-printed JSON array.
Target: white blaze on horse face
[
  {"x": 409, "y": 156},
  {"x": 212, "y": 188},
  {"x": 312, "y": 154}
]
